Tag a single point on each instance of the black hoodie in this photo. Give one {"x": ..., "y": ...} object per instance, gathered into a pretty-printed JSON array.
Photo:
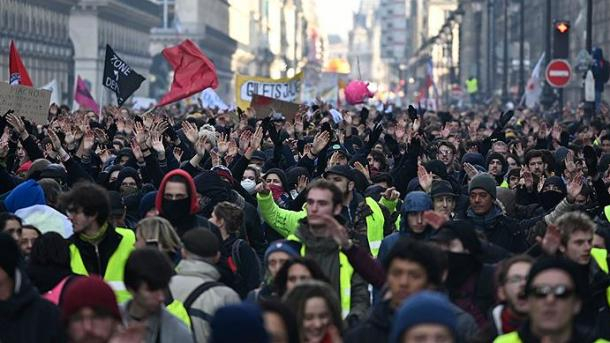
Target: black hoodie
[{"x": 26, "y": 317}]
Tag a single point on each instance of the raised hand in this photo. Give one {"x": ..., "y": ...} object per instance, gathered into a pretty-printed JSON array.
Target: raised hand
[
  {"x": 470, "y": 170},
  {"x": 137, "y": 152},
  {"x": 157, "y": 144},
  {"x": 574, "y": 187},
  {"x": 434, "y": 219},
  {"x": 55, "y": 140},
  {"x": 320, "y": 141},
  {"x": 17, "y": 124},
  {"x": 140, "y": 133},
  {"x": 88, "y": 141},
  {"x": 215, "y": 157},
  {"x": 569, "y": 162},
  {"x": 244, "y": 140},
  {"x": 337, "y": 231},
  {"x": 302, "y": 182},
  {"x": 391, "y": 194},
  {"x": 333, "y": 160},
  {"x": 298, "y": 123},
  {"x": 551, "y": 241},
  {"x": 527, "y": 177},
  {"x": 200, "y": 146},
  {"x": 262, "y": 188},
  {"x": 233, "y": 149},
  {"x": 223, "y": 144},
  {"x": 178, "y": 153},
  {"x": 425, "y": 178},
  {"x": 190, "y": 131},
  {"x": 519, "y": 150},
  {"x": 256, "y": 139},
  {"x": 364, "y": 170}
]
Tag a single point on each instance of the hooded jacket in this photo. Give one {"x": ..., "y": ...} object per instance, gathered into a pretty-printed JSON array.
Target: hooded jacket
[
  {"x": 191, "y": 220},
  {"x": 26, "y": 317},
  {"x": 191, "y": 274},
  {"x": 27, "y": 194}
]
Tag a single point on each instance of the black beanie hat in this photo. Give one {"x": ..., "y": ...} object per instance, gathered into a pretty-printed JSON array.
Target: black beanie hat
[
  {"x": 9, "y": 254},
  {"x": 438, "y": 168}
]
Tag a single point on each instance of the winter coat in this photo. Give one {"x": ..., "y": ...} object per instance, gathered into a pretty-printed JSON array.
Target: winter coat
[
  {"x": 191, "y": 274},
  {"x": 325, "y": 252},
  {"x": 26, "y": 317}
]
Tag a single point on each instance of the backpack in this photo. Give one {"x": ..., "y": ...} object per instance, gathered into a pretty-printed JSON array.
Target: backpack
[
  {"x": 235, "y": 265},
  {"x": 195, "y": 294}
]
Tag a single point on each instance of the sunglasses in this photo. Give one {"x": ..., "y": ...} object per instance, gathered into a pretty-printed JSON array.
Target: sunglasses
[{"x": 542, "y": 292}]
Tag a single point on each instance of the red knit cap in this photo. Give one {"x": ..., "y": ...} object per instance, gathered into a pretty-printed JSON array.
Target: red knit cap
[{"x": 90, "y": 292}]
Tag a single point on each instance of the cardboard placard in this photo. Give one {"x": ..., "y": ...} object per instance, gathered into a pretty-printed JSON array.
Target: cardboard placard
[
  {"x": 31, "y": 103},
  {"x": 264, "y": 106}
]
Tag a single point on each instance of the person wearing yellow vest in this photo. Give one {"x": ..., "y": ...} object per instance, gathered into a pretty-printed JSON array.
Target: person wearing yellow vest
[
  {"x": 472, "y": 88},
  {"x": 312, "y": 239},
  {"x": 572, "y": 237},
  {"x": 354, "y": 207},
  {"x": 554, "y": 297},
  {"x": 96, "y": 247},
  {"x": 148, "y": 272}
]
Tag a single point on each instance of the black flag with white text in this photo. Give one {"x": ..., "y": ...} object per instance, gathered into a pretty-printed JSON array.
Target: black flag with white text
[{"x": 119, "y": 77}]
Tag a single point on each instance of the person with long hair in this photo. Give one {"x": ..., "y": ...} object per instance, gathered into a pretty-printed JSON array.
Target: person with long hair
[
  {"x": 318, "y": 311},
  {"x": 158, "y": 232},
  {"x": 294, "y": 271}
]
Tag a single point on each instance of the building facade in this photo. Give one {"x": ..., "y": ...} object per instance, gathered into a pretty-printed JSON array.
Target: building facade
[
  {"x": 123, "y": 24},
  {"x": 482, "y": 49},
  {"x": 41, "y": 33}
]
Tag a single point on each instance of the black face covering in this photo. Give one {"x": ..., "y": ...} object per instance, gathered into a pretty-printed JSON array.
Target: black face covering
[
  {"x": 461, "y": 267},
  {"x": 176, "y": 211},
  {"x": 550, "y": 199}
]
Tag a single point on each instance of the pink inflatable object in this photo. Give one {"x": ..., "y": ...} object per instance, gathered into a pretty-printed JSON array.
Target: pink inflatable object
[{"x": 357, "y": 91}]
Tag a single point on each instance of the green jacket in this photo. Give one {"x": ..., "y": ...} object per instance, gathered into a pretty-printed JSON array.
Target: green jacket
[{"x": 285, "y": 222}]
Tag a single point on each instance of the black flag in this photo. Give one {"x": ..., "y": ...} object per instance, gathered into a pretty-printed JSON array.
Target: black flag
[{"x": 119, "y": 77}]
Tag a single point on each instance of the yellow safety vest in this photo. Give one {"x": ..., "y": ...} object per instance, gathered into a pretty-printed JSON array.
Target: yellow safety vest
[
  {"x": 504, "y": 184},
  {"x": 116, "y": 265},
  {"x": 177, "y": 309},
  {"x": 607, "y": 212},
  {"x": 374, "y": 226},
  {"x": 472, "y": 86},
  {"x": 345, "y": 278},
  {"x": 601, "y": 257},
  {"x": 513, "y": 337}
]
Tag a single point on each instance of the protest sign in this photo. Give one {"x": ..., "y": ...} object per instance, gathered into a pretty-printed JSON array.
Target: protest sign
[
  {"x": 286, "y": 89},
  {"x": 28, "y": 102},
  {"x": 209, "y": 99},
  {"x": 264, "y": 106}
]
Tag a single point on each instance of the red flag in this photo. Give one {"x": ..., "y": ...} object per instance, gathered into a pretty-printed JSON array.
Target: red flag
[
  {"x": 18, "y": 74},
  {"x": 193, "y": 71},
  {"x": 83, "y": 97}
]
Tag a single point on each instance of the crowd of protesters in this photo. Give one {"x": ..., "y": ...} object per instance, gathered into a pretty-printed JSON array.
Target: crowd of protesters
[{"x": 359, "y": 225}]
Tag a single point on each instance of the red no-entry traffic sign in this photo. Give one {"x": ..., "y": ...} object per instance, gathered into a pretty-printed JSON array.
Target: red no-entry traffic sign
[{"x": 558, "y": 73}]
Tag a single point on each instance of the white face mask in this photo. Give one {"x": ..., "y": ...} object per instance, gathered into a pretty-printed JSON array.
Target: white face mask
[{"x": 248, "y": 185}]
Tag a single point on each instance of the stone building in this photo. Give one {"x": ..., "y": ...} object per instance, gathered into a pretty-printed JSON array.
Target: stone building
[{"x": 41, "y": 33}]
